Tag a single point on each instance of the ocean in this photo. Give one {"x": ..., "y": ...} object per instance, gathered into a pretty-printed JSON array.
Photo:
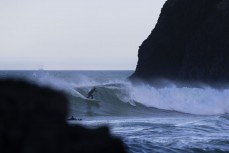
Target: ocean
[{"x": 147, "y": 118}]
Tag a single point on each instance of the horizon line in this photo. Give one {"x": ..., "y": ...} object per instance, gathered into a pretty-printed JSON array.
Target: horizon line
[{"x": 66, "y": 70}]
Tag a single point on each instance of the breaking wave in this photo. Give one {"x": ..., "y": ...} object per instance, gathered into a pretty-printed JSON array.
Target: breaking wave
[{"x": 122, "y": 98}]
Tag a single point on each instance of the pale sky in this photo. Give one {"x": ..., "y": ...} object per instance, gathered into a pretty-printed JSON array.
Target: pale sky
[{"x": 74, "y": 34}]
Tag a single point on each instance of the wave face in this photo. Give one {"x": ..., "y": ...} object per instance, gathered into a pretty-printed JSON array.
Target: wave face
[{"x": 116, "y": 96}]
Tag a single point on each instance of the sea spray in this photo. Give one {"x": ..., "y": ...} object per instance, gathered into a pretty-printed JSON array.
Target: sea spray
[{"x": 202, "y": 101}]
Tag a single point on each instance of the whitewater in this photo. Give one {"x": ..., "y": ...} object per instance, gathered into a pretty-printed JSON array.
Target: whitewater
[{"x": 148, "y": 118}]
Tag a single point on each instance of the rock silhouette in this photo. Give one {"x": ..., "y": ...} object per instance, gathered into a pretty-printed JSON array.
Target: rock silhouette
[
  {"x": 33, "y": 120},
  {"x": 189, "y": 43}
]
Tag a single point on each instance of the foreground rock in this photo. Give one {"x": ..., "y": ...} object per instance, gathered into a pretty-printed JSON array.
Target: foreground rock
[
  {"x": 189, "y": 43},
  {"x": 33, "y": 120}
]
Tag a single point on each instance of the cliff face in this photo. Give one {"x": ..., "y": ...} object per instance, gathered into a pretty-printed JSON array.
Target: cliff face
[{"x": 190, "y": 43}]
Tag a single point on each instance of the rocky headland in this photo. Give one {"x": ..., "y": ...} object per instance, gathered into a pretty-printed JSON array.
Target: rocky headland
[{"x": 189, "y": 43}]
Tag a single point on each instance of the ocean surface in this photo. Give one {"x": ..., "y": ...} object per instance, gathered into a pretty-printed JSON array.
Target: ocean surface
[{"x": 148, "y": 119}]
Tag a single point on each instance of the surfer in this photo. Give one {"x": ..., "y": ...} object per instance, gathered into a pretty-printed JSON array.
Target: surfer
[
  {"x": 72, "y": 118},
  {"x": 90, "y": 93}
]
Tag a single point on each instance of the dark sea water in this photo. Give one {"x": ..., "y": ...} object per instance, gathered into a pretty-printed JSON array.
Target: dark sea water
[{"x": 148, "y": 119}]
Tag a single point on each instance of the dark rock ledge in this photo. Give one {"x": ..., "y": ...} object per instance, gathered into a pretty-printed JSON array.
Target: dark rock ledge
[{"x": 33, "y": 120}]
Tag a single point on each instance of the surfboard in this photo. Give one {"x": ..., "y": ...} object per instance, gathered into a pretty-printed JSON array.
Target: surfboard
[{"x": 92, "y": 102}]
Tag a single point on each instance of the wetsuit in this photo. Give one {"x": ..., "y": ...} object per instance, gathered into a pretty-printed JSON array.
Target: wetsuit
[{"x": 90, "y": 93}]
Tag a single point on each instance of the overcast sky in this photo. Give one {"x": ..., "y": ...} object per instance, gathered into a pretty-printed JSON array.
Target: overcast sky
[{"x": 74, "y": 34}]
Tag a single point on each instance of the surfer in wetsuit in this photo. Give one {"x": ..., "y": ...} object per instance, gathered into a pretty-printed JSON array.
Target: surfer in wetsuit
[
  {"x": 72, "y": 118},
  {"x": 90, "y": 93}
]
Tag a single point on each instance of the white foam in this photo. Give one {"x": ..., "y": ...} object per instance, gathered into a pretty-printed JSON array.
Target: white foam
[{"x": 204, "y": 101}]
